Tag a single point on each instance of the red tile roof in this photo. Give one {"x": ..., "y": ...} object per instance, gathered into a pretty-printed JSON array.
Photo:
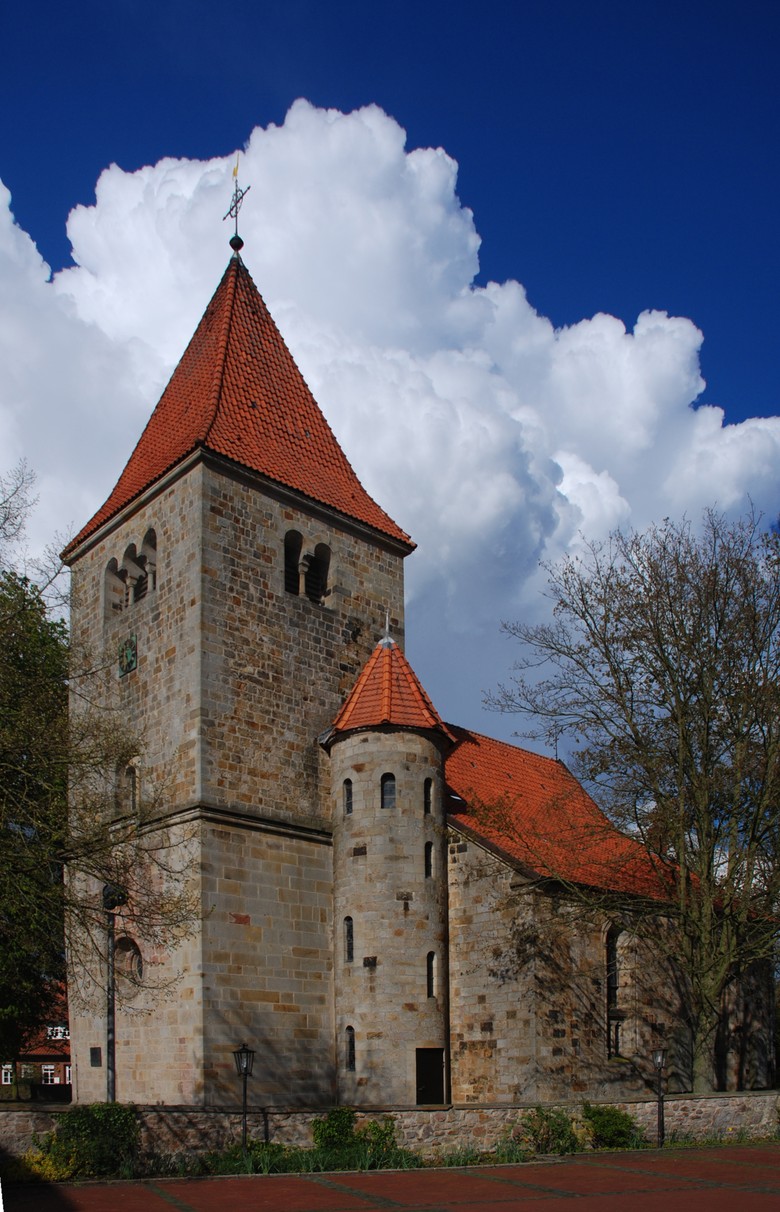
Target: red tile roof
[
  {"x": 533, "y": 810},
  {"x": 238, "y": 392},
  {"x": 388, "y": 692}
]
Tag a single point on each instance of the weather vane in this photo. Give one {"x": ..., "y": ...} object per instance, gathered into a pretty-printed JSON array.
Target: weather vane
[{"x": 236, "y": 243}]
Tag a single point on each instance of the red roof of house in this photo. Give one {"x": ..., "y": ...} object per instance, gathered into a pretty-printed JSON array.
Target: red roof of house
[
  {"x": 238, "y": 392},
  {"x": 388, "y": 692},
  {"x": 533, "y": 810}
]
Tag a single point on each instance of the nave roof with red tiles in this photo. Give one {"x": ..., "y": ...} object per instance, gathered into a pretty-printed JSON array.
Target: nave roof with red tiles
[
  {"x": 533, "y": 809},
  {"x": 238, "y": 393}
]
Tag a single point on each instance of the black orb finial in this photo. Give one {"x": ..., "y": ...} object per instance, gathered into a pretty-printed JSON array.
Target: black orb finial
[{"x": 236, "y": 243}]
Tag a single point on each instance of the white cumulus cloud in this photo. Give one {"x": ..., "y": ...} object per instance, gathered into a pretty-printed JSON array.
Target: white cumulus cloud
[{"x": 489, "y": 435}]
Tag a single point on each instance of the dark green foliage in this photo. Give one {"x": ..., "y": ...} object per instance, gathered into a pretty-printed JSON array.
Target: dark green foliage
[
  {"x": 612, "y": 1128},
  {"x": 550, "y": 1130},
  {"x": 33, "y": 779},
  {"x": 98, "y": 1141},
  {"x": 336, "y": 1130}
]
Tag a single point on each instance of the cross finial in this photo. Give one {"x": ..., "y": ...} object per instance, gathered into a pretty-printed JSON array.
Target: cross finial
[{"x": 236, "y": 243}]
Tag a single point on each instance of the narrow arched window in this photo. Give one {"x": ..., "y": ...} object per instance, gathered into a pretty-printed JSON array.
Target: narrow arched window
[
  {"x": 149, "y": 558},
  {"x": 388, "y": 791},
  {"x": 614, "y": 1013},
  {"x": 427, "y": 796},
  {"x": 350, "y": 1049},
  {"x": 131, "y": 784},
  {"x": 317, "y": 568},
  {"x": 127, "y": 788},
  {"x": 428, "y": 860},
  {"x": 293, "y": 542},
  {"x": 115, "y": 588},
  {"x": 346, "y": 792},
  {"x": 349, "y": 941},
  {"x": 431, "y": 973}
]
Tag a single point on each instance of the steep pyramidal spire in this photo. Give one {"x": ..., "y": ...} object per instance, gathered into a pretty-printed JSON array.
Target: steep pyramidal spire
[
  {"x": 388, "y": 692},
  {"x": 237, "y": 392}
]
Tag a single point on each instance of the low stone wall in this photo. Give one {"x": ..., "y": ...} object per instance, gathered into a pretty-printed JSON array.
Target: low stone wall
[
  {"x": 752, "y": 1114},
  {"x": 19, "y": 1125}
]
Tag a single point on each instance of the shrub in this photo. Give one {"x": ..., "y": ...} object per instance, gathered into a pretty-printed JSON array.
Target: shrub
[
  {"x": 340, "y": 1145},
  {"x": 336, "y": 1130},
  {"x": 549, "y": 1130},
  {"x": 97, "y": 1141},
  {"x": 612, "y": 1128}
]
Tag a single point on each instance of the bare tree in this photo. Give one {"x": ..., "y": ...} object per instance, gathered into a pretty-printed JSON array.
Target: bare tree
[
  {"x": 662, "y": 668},
  {"x": 15, "y": 501}
]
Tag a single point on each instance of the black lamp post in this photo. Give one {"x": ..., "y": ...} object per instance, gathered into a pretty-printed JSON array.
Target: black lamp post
[
  {"x": 245, "y": 1059},
  {"x": 659, "y": 1060},
  {"x": 113, "y": 897}
]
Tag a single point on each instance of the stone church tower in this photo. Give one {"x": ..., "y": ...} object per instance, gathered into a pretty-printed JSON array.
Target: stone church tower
[{"x": 242, "y": 573}]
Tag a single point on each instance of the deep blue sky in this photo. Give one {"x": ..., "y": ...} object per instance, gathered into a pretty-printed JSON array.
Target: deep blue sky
[{"x": 617, "y": 156}]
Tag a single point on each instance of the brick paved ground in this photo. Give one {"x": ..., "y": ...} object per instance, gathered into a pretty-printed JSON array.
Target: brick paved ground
[{"x": 739, "y": 1178}]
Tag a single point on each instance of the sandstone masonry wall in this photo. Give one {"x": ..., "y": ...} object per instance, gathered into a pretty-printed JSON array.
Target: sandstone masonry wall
[
  {"x": 529, "y": 1002},
  {"x": 277, "y": 666}
]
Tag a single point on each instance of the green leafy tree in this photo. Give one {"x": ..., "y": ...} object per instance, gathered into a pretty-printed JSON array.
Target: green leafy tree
[
  {"x": 662, "y": 668},
  {"x": 33, "y": 791}
]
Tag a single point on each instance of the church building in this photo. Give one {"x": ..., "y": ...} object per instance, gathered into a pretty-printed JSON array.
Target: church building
[{"x": 386, "y": 909}]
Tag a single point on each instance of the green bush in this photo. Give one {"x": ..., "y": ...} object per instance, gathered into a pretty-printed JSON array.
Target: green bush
[
  {"x": 97, "y": 1141},
  {"x": 549, "y": 1130},
  {"x": 340, "y": 1145},
  {"x": 336, "y": 1130},
  {"x": 612, "y": 1128}
]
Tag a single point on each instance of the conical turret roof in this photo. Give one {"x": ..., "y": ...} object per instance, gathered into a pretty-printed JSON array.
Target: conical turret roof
[
  {"x": 238, "y": 393},
  {"x": 388, "y": 692}
]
